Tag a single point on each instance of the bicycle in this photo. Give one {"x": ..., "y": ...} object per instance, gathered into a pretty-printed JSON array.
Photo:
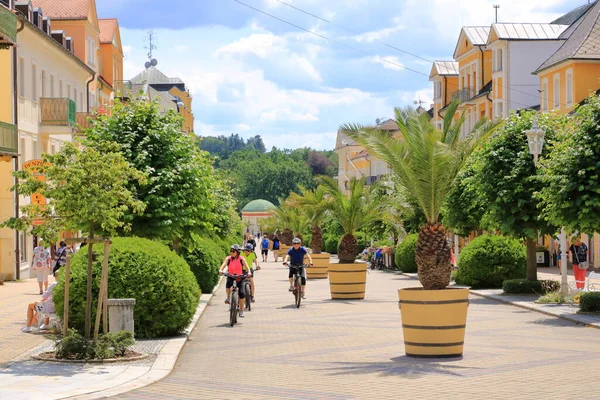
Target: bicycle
[
  {"x": 248, "y": 290},
  {"x": 297, "y": 283},
  {"x": 234, "y": 297}
]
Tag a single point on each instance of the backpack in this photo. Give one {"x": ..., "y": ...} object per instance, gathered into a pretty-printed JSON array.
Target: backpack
[
  {"x": 275, "y": 244},
  {"x": 265, "y": 243}
]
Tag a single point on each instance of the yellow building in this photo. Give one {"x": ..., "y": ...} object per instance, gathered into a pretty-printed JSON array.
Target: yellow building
[
  {"x": 444, "y": 75},
  {"x": 111, "y": 56},
  {"x": 171, "y": 93},
  {"x": 8, "y": 139}
]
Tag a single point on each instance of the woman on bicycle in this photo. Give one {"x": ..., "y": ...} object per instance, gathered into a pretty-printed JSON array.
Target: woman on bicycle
[
  {"x": 251, "y": 260},
  {"x": 236, "y": 265},
  {"x": 295, "y": 256}
]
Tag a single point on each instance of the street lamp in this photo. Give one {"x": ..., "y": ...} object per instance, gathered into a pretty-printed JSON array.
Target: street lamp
[{"x": 535, "y": 140}]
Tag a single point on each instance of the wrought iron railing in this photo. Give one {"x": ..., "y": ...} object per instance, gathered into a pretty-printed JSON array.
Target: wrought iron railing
[
  {"x": 58, "y": 111},
  {"x": 8, "y": 27},
  {"x": 9, "y": 138},
  {"x": 464, "y": 94}
]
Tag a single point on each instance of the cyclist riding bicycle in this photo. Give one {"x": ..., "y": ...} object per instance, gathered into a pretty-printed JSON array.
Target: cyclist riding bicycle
[
  {"x": 295, "y": 256},
  {"x": 236, "y": 265},
  {"x": 251, "y": 259}
]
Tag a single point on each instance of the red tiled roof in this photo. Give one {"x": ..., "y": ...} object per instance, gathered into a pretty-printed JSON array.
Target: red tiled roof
[
  {"x": 64, "y": 9},
  {"x": 108, "y": 28}
]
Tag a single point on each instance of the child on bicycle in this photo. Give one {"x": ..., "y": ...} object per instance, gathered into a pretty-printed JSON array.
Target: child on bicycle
[
  {"x": 236, "y": 265},
  {"x": 251, "y": 260},
  {"x": 295, "y": 256}
]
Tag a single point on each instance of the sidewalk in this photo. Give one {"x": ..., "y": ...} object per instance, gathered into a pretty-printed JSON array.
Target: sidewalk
[{"x": 24, "y": 378}]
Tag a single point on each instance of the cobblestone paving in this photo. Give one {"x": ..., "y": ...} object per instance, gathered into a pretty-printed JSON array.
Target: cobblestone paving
[{"x": 353, "y": 350}]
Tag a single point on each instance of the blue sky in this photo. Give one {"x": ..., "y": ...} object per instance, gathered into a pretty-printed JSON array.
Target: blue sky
[{"x": 251, "y": 74}]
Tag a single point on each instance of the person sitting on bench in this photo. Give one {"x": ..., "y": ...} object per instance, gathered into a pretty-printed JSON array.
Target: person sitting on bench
[{"x": 45, "y": 306}]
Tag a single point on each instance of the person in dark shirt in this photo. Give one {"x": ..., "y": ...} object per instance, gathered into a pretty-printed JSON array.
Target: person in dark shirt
[{"x": 295, "y": 257}]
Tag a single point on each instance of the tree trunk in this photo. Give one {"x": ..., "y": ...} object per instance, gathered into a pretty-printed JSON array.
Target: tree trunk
[
  {"x": 286, "y": 237},
  {"x": 88, "y": 303},
  {"x": 348, "y": 249},
  {"x": 531, "y": 260},
  {"x": 433, "y": 257},
  {"x": 316, "y": 241}
]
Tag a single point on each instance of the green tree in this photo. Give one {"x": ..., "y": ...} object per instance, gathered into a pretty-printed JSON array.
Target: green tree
[
  {"x": 179, "y": 191},
  {"x": 425, "y": 162},
  {"x": 352, "y": 211},
  {"x": 507, "y": 179},
  {"x": 570, "y": 169}
]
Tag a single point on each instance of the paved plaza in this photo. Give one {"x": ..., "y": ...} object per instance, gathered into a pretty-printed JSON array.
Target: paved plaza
[{"x": 353, "y": 350}]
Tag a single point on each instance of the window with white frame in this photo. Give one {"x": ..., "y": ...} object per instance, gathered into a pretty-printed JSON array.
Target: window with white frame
[
  {"x": 60, "y": 88},
  {"x": 34, "y": 91},
  {"x": 556, "y": 92},
  {"x": 44, "y": 83},
  {"x": 569, "y": 87},
  {"x": 23, "y": 246},
  {"x": 68, "y": 90},
  {"x": 22, "y": 77},
  {"x": 499, "y": 110},
  {"x": 545, "y": 94},
  {"x": 91, "y": 51},
  {"x": 498, "y": 60},
  {"x": 82, "y": 104},
  {"x": 75, "y": 95},
  {"x": 51, "y": 85}
]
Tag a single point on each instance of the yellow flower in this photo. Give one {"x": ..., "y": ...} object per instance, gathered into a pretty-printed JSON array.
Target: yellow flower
[{"x": 576, "y": 298}]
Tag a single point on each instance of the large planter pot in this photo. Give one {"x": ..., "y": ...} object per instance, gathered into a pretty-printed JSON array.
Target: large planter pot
[
  {"x": 434, "y": 321},
  {"x": 348, "y": 281},
  {"x": 320, "y": 266}
]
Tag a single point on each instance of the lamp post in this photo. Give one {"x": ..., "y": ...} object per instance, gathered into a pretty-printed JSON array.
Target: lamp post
[{"x": 535, "y": 140}]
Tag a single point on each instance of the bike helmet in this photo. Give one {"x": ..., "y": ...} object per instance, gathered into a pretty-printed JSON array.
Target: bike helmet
[
  {"x": 248, "y": 247},
  {"x": 236, "y": 248},
  {"x": 296, "y": 240}
]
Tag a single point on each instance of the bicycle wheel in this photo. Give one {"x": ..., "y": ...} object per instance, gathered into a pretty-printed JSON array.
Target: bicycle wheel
[
  {"x": 248, "y": 289},
  {"x": 233, "y": 309},
  {"x": 298, "y": 285}
]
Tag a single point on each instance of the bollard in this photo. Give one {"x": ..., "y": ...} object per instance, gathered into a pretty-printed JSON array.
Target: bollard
[{"x": 120, "y": 315}]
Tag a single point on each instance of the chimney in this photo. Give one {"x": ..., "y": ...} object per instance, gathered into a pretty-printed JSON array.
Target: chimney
[
  {"x": 59, "y": 36},
  {"x": 46, "y": 25},
  {"x": 38, "y": 16}
]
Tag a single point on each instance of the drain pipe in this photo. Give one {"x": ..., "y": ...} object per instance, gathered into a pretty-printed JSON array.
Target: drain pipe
[
  {"x": 92, "y": 78},
  {"x": 16, "y": 158}
]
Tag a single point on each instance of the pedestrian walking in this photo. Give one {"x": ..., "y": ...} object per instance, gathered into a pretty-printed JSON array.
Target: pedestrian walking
[
  {"x": 60, "y": 257},
  {"x": 42, "y": 264},
  {"x": 275, "y": 247},
  {"x": 580, "y": 254}
]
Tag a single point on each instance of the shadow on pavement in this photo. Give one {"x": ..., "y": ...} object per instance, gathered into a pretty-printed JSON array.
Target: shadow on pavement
[
  {"x": 552, "y": 321},
  {"x": 404, "y": 366},
  {"x": 41, "y": 368}
]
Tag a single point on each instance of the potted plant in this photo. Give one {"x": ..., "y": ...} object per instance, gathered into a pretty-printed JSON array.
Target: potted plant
[
  {"x": 347, "y": 279},
  {"x": 312, "y": 204},
  {"x": 425, "y": 162}
]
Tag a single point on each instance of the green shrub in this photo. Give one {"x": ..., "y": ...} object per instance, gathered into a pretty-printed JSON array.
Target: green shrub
[
  {"x": 555, "y": 298},
  {"x": 520, "y": 286},
  {"x": 331, "y": 242},
  {"x": 109, "y": 345},
  {"x": 489, "y": 260},
  {"x": 405, "y": 254},
  {"x": 589, "y": 302},
  {"x": 363, "y": 241},
  {"x": 204, "y": 260},
  {"x": 165, "y": 289}
]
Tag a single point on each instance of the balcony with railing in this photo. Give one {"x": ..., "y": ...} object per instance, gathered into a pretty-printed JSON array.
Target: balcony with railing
[
  {"x": 465, "y": 94},
  {"x": 83, "y": 120},
  {"x": 8, "y": 27},
  {"x": 57, "y": 111},
  {"x": 9, "y": 138}
]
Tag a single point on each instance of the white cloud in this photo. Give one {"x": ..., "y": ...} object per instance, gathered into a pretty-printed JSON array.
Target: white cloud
[
  {"x": 373, "y": 36},
  {"x": 259, "y": 44},
  {"x": 126, "y": 50},
  {"x": 389, "y": 62},
  {"x": 181, "y": 49}
]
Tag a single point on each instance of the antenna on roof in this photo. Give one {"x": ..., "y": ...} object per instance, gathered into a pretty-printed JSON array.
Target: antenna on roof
[
  {"x": 150, "y": 44},
  {"x": 496, "y": 7}
]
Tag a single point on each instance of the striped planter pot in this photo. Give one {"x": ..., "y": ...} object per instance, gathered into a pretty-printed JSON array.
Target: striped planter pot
[
  {"x": 348, "y": 281},
  {"x": 320, "y": 266}
]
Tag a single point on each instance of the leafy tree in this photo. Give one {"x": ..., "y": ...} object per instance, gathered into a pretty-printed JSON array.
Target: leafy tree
[
  {"x": 312, "y": 204},
  {"x": 426, "y": 162},
  {"x": 320, "y": 164},
  {"x": 179, "y": 191},
  {"x": 507, "y": 179},
  {"x": 353, "y": 211},
  {"x": 571, "y": 171}
]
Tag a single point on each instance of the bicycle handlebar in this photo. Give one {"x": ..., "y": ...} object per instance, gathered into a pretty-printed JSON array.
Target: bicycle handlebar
[{"x": 234, "y": 276}]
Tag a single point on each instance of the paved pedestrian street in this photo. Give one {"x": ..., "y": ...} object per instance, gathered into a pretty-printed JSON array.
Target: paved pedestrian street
[{"x": 353, "y": 350}]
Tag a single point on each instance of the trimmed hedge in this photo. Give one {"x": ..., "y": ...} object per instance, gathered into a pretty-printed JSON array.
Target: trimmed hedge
[
  {"x": 204, "y": 259},
  {"x": 489, "y": 260},
  {"x": 165, "y": 289},
  {"x": 330, "y": 242},
  {"x": 405, "y": 254},
  {"x": 589, "y": 302},
  {"x": 524, "y": 286}
]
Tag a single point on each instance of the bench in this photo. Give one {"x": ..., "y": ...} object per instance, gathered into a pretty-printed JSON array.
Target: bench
[{"x": 588, "y": 286}]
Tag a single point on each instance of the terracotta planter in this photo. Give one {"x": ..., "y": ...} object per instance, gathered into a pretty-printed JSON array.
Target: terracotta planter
[
  {"x": 348, "y": 281},
  {"x": 320, "y": 266},
  {"x": 434, "y": 321}
]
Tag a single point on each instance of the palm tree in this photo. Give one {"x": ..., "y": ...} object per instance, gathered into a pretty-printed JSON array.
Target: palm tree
[
  {"x": 426, "y": 162},
  {"x": 293, "y": 222},
  {"x": 353, "y": 211},
  {"x": 312, "y": 204}
]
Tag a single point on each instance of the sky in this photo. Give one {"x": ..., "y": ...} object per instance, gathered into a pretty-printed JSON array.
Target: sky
[{"x": 294, "y": 85}]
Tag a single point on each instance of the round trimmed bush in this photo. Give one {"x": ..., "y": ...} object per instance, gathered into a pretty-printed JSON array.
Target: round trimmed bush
[
  {"x": 204, "y": 259},
  {"x": 405, "y": 254},
  {"x": 489, "y": 260},
  {"x": 331, "y": 243},
  {"x": 165, "y": 289}
]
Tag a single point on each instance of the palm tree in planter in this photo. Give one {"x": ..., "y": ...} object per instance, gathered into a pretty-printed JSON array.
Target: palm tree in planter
[
  {"x": 311, "y": 203},
  {"x": 425, "y": 162},
  {"x": 353, "y": 211}
]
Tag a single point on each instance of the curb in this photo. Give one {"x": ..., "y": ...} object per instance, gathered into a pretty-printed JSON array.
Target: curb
[
  {"x": 165, "y": 359},
  {"x": 524, "y": 305}
]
